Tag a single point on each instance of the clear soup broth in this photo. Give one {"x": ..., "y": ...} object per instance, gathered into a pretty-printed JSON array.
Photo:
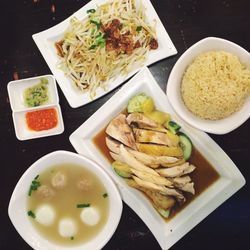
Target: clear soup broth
[{"x": 68, "y": 189}]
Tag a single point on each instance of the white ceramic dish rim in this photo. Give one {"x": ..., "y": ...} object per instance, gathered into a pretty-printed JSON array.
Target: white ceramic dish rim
[
  {"x": 76, "y": 99},
  {"x": 18, "y": 202},
  {"x": 222, "y": 126},
  {"x": 169, "y": 233}
]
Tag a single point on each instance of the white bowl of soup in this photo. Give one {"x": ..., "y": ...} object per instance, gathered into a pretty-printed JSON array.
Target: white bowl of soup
[{"x": 65, "y": 201}]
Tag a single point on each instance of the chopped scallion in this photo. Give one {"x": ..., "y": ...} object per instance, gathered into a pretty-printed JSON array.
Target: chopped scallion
[
  {"x": 91, "y": 11},
  {"x": 93, "y": 46},
  {"x": 102, "y": 44},
  {"x": 139, "y": 28},
  {"x": 98, "y": 24},
  {"x": 99, "y": 35},
  {"x": 31, "y": 214},
  {"x": 34, "y": 185},
  {"x": 105, "y": 195},
  {"x": 99, "y": 41},
  {"x": 83, "y": 205}
]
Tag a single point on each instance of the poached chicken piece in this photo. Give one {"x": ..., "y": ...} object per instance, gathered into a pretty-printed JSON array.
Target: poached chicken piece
[
  {"x": 150, "y": 158},
  {"x": 144, "y": 136},
  {"x": 119, "y": 129},
  {"x": 141, "y": 119}
]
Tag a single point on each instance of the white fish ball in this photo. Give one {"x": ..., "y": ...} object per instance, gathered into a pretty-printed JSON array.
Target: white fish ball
[
  {"x": 67, "y": 227},
  {"x": 45, "y": 215},
  {"x": 90, "y": 216}
]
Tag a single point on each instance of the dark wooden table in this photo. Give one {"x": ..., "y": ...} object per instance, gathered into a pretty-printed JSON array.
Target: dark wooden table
[{"x": 187, "y": 22}]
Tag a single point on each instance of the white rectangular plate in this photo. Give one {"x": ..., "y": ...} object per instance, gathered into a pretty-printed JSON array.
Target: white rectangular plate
[
  {"x": 166, "y": 233},
  {"x": 45, "y": 41}
]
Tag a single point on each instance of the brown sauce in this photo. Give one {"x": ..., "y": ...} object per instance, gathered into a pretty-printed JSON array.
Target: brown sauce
[
  {"x": 99, "y": 141},
  {"x": 203, "y": 176}
]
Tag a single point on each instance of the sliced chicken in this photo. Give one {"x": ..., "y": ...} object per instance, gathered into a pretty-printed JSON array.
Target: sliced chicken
[
  {"x": 163, "y": 190},
  {"x": 143, "y": 135},
  {"x": 159, "y": 180},
  {"x": 145, "y": 159},
  {"x": 117, "y": 157},
  {"x": 173, "y": 192},
  {"x": 113, "y": 145},
  {"x": 160, "y": 201},
  {"x": 149, "y": 160},
  {"x": 188, "y": 187},
  {"x": 159, "y": 150},
  {"x": 129, "y": 159},
  {"x": 119, "y": 129},
  {"x": 145, "y": 147},
  {"x": 181, "y": 181},
  {"x": 158, "y": 129},
  {"x": 177, "y": 171},
  {"x": 153, "y": 161},
  {"x": 176, "y": 163},
  {"x": 141, "y": 120},
  {"x": 148, "y": 185}
]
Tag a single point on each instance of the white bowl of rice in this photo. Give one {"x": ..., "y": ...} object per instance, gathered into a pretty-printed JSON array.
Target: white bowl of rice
[{"x": 209, "y": 86}]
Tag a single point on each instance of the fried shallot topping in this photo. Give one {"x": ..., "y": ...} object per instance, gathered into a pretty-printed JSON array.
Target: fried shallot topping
[
  {"x": 121, "y": 42},
  {"x": 153, "y": 44}
]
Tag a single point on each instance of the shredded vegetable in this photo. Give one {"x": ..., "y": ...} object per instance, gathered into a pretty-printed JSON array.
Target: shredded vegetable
[{"x": 114, "y": 40}]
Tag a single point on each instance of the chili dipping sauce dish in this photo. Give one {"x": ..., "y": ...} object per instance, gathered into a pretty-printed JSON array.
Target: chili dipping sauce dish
[{"x": 35, "y": 105}]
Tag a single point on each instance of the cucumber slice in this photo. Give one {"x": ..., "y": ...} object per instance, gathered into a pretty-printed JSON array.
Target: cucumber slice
[
  {"x": 140, "y": 103},
  {"x": 164, "y": 213},
  {"x": 186, "y": 145},
  {"x": 122, "y": 169},
  {"x": 123, "y": 174},
  {"x": 172, "y": 126}
]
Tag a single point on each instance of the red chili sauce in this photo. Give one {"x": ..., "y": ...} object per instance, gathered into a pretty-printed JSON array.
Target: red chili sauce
[{"x": 41, "y": 119}]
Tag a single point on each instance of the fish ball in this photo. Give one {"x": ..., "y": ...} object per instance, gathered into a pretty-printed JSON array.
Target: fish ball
[
  {"x": 45, "y": 215},
  {"x": 85, "y": 184},
  {"x": 90, "y": 216},
  {"x": 67, "y": 227},
  {"x": 59, "y": 180},
  {"x": 45, "y": 192}
]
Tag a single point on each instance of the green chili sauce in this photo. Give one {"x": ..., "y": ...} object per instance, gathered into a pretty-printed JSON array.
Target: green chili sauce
[{"x": 37, "y": 95}]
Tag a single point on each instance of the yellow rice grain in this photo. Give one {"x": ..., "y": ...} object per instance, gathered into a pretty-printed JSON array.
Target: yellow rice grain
[{"x": 215, "y": 85}]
